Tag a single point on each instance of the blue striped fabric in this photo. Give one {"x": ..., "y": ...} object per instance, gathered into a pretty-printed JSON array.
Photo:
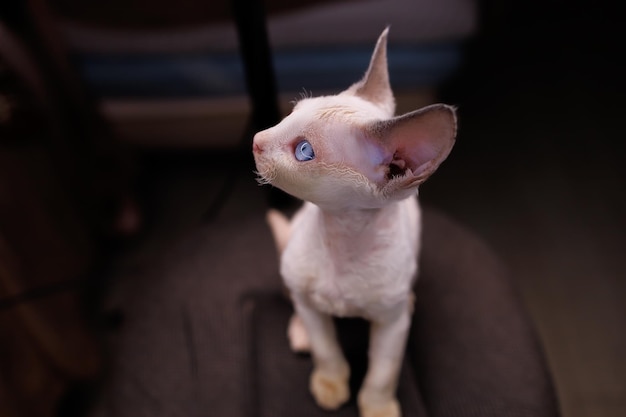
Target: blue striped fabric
[{"x": 221, "y": 74}]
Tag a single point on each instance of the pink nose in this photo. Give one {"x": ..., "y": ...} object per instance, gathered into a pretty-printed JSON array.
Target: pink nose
[{"x": 258, "y": 143}]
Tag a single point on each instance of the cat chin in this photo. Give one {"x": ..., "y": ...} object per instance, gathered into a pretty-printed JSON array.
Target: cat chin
[{"x": 364, "y": 197}]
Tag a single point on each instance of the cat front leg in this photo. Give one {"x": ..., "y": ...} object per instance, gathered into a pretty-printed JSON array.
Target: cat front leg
[
  {"x": 377, "y": 396},
  {"x": 329, "y": 379},
  {"x": 298, "y": 335}
]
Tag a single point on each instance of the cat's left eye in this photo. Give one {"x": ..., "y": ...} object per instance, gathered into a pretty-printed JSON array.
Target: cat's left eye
[{"x": 304, "y": 151}]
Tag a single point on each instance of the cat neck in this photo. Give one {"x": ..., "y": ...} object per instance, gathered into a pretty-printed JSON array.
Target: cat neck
[{"x": 355, "y": 222}]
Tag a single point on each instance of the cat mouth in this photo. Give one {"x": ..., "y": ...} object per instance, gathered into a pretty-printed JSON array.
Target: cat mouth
[{"x": 265, "y": 173}]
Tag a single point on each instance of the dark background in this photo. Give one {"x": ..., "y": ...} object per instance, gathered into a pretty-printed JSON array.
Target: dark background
[{"x": 538, "y": 171}]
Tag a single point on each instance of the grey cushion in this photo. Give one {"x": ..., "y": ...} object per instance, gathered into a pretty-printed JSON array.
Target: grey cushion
[{"x": 205, "y": 334}]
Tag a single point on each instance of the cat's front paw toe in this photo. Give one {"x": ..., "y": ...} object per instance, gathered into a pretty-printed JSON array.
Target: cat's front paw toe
[
  {"x": 390, "y": 408},
  {"x": 330, "y": 390}
]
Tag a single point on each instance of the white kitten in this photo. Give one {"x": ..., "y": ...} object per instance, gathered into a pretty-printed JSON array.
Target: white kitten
[{"x": 352, "y": 248}]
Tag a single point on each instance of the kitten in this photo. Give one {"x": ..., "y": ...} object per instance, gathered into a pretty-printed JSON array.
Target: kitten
[{"x": 351, "y": 250}]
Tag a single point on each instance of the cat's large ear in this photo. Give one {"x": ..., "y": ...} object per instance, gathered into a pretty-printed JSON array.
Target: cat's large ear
[
  {"x": 419, "y": 141},
  {"x": 374, "y": 86}
]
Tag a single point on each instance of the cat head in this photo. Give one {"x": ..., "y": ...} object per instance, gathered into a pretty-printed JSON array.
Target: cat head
[{"x": 349, "y": 151}]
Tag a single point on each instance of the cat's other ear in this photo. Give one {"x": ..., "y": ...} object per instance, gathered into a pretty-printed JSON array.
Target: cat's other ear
[
  {"x": 374, "y": 86},
  {"x": 420, "y": 141}
]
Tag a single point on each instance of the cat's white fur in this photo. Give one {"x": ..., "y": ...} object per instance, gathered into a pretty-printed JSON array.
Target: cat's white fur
[{"x": 351, "y": 250}]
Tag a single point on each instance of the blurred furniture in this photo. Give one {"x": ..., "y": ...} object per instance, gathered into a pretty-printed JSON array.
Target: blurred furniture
[
  {"x": 205, "y": 332},
  {"x": 175, "y": 78},
  {"x": 62, "y": 185}
]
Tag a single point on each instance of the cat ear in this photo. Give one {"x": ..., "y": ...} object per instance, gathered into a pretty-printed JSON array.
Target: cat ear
[
  {"x": 419, "y": 141},
  {"x": 374, "y": 86}
]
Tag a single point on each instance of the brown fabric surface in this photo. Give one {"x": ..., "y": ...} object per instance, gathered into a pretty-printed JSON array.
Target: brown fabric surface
[{"x": 204, "y": 334}]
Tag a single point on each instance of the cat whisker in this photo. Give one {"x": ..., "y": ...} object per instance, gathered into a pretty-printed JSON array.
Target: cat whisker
[
  {"x": 264, "y": 179},
  {"x": 304, "y": 94}
]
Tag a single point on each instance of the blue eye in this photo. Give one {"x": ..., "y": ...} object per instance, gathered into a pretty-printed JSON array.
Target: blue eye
[{"x": 304, "y": 151}]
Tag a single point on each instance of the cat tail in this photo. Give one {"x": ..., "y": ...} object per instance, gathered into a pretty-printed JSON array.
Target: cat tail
[{"x": 281, "y": 228}]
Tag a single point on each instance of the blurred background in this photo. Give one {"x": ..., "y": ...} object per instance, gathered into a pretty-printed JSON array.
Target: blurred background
[{"x": 126, "y": 124}]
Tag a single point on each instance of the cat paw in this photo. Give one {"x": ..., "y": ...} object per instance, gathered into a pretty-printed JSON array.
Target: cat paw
[
  {"x": 330, "y": 390},
  {"x": 298, "y": 336},
  {"x": 390, "y": 408}
]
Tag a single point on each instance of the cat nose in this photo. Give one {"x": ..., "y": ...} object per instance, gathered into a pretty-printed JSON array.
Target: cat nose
[{"x": 257, "y": 143}]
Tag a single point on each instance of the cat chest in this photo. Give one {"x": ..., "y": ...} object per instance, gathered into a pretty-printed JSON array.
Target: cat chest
[{"x": 346, "y": 282}]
